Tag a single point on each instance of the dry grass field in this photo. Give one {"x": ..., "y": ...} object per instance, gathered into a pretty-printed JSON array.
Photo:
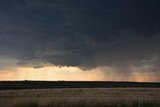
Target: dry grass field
[{"x": 81, "y": 97}]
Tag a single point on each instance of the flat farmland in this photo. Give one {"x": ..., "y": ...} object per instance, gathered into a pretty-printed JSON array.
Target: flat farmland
[{"x": 81, "y": 97}]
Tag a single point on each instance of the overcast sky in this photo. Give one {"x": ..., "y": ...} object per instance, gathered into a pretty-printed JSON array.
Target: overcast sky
[{"x": 120, "y": 35}]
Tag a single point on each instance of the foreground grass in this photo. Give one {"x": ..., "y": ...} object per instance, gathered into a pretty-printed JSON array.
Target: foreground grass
[{"x": 110, "y": 97}]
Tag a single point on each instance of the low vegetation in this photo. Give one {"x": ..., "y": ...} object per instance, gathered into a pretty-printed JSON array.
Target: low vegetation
[
  {"x": 7, "y": 85},
  {"x": 81, "y": 97}
]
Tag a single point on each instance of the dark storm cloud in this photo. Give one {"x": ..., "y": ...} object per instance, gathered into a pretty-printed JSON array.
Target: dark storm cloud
[{"x": 81, "y": 33}]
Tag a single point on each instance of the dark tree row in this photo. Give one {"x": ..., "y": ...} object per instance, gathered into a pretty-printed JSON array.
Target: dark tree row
[{"x": 4, "y": 85}]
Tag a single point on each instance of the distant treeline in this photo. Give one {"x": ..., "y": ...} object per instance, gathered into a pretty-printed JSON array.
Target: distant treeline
[{"x": 5, "y": 85}]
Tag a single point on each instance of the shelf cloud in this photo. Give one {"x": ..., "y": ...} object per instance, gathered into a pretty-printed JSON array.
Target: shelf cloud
[{"x": 123, "y": 35}]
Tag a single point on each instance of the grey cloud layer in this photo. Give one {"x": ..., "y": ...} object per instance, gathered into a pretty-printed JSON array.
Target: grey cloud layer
[{"x": 81, "y": 33}]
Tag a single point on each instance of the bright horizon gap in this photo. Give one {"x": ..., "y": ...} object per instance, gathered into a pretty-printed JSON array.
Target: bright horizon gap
[{"x": 73, "y": 74}]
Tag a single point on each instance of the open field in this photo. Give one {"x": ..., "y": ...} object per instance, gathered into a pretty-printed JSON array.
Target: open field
[{"x": 81, "y": 97}]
